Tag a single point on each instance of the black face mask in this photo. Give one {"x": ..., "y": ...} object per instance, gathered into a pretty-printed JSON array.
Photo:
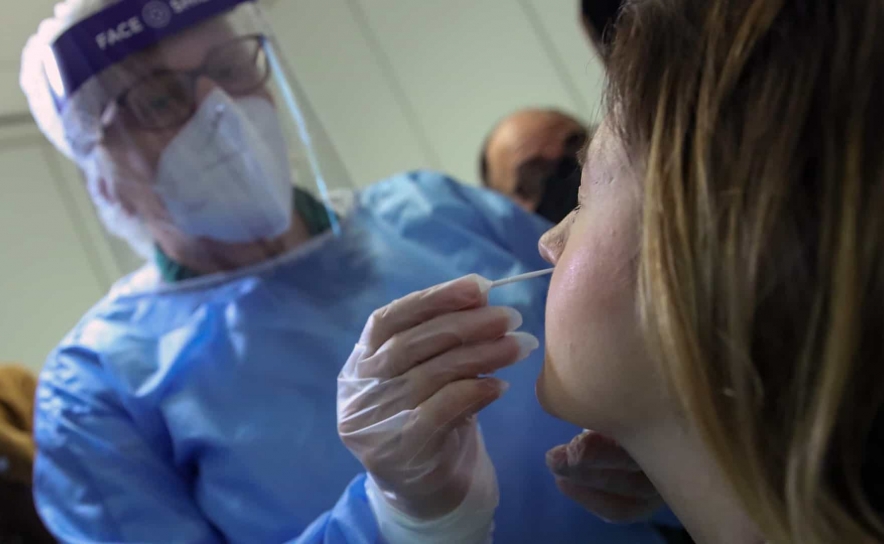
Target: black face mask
[{"x": 555, "y": 183}]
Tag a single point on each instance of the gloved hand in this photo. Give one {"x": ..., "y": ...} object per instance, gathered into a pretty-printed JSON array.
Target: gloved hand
[
  {"x": 409, "y": 394},
  {"x": 599, "y": 474}
]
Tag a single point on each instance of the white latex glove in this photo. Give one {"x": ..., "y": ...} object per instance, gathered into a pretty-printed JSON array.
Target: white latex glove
[
  {"x": 470, "y": 523},
  {"x": 598, "y": 473},
  {"x": 409, "y": 394}
]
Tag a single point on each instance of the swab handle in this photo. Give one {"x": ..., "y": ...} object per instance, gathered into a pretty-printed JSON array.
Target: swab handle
[{"x": 522, "y": 277}]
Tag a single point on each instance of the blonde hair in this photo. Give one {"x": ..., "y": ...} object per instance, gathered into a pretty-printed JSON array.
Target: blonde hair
[{"x": 759, "y": 126}]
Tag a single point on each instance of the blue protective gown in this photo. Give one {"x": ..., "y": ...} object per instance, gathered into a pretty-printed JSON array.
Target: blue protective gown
[{"x": 205, "y": 411}]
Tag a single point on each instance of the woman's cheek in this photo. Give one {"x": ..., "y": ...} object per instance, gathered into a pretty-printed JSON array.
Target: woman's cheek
[
  {"x": 558, "y": 388},
  {"x": 590, "y": 368}
]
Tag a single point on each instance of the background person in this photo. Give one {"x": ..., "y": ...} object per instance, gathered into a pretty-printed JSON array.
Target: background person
[{"x": 531, "y": 157}]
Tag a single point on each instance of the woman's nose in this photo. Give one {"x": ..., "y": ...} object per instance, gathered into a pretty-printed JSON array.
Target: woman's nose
[{"x": 552, "y": 243}]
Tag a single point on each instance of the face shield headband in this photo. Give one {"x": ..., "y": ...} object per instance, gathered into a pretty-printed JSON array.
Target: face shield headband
[{"x": 112, "y": 35}]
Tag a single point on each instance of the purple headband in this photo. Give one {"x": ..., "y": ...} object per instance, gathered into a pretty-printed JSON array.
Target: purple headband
[{"x": 127, "y": 27}]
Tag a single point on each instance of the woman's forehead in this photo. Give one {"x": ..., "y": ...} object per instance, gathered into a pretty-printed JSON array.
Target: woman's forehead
[{"x": 606, "y": 157}]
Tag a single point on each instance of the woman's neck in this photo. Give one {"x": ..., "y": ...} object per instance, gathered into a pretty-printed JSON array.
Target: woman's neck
[{"x": 675, "y": 458}]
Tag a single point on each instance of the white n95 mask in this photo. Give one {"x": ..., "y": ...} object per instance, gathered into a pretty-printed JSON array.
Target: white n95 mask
[{"x": 226, "y": 175}]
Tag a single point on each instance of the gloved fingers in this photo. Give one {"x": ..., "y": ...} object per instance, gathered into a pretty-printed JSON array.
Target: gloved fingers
[
  {"x": 415, "y": 346},
  {"x": 380, "y": 400},
  {"x": 453, "y": 406},
  {"x": 416, "y": 308},
  {"x": 465, "y": 362},
  {"x": 591, "y": 450},
  {"x": 608, "y": 506}
]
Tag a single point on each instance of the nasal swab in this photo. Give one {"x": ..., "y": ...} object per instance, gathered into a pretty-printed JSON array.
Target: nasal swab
[{"x": 522, "y": 277}]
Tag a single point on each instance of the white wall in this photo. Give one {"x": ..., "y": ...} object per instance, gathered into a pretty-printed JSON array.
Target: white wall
[
  {"x": 56, "y": 261},
  {"x": 390, "y": 85},
  {"x": 402, "y": 84}
]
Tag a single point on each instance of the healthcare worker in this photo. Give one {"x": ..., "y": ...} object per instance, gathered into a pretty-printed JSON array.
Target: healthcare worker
[{"x": 197, "y": 401}]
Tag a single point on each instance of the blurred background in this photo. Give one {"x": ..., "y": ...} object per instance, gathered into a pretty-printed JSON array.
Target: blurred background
[{"x": 391, "y": 85}]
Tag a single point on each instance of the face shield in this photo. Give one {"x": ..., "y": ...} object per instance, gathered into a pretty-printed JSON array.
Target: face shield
[{"x": 180, "y": 114}]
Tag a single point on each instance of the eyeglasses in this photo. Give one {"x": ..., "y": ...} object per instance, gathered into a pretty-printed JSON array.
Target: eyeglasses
[{"x": 166, "y": 99}]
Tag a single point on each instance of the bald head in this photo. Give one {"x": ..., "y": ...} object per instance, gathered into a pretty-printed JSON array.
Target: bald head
[{"x": 524, "y": 144}]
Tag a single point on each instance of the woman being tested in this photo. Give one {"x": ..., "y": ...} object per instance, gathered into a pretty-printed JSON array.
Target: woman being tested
[{"x": 718, "y": 296}]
